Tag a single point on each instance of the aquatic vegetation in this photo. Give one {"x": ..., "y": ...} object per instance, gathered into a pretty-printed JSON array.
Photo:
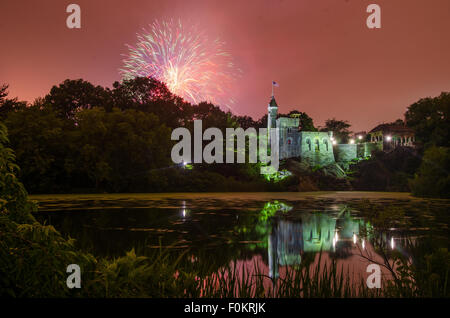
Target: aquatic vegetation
[
  {"x": 277, "y": 176},
  {"x": 271, "y": 208}
]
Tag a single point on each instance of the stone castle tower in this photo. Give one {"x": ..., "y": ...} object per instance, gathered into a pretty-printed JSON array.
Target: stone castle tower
[
  {"x": 272, "y": 114},
  {"x": 314, "y": 147},
  {"x": 320, "y": 148}
]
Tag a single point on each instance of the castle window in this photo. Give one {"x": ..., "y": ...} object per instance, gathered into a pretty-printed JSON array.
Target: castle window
[
  {"x": 317, "y": 145},
  {"x": 326, "y": 143},
  {"x": 308, "y": 142}
]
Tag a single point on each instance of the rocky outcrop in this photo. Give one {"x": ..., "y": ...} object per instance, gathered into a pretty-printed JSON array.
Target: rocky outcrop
[
  {"x": 385, "y": 171},
  {"x": 330, "y": 177}
]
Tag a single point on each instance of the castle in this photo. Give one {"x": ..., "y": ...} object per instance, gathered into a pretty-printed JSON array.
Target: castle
[{"x": 320, "y": 148}]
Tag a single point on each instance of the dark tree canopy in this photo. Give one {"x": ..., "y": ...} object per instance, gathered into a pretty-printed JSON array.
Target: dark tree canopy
[
  {"x": 151, "y": 95},
  {"x": 340, "y": 129},
  {"x": 82, "y": 138},
  {"x": 3, "y": 93},
  {"x": 73, "y": 95},
  {"x": 8, "y": 105},
  {"x": 432, "y": 179},
  {"x": 305, "y": 122},
  {"x": 429, "y": 117},
  {"x": 246, "y": 122}
]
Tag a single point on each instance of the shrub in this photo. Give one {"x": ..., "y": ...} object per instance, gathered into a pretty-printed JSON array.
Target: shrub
[{"x": 432, "y": 178}]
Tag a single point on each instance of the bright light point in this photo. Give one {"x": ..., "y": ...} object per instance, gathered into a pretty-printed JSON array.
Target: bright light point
[
  {"x": 388, "y": 138},
  {"x": 392, "y": 243},
  {"x": 363, "y": 244},
  {"x": 184, "y": 163},
  {"x": 352, "y": 141},
  {"x": 184, "y": 213},
  {"x": 359, "y": 137},
  {"x": 334, "y": 142},
  {"x": 354, "y": 238},
  {"x": 336, "y": 237}
]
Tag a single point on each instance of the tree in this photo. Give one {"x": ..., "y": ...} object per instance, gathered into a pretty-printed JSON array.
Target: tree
[
  {"x": 40, "y": 139},
  {"x": 213, "y": 116},
  {"x": 72, "y": 96},
  {"x": 3, "y": 93},
  {"x": 305, "y": 122},
  {"x": 262, "y": 122},
  {"x": 13, "y": 197},
  {"x": 8, "y": 105},
  {"x": 432, "y": 178},
  {"x": 339, "y": 129},
  {"x": 118, "y": 149},
  {"x": 429, "y": 117},
  {"x": 151, "y": 96},
  {"x": 245, "y": 122}
]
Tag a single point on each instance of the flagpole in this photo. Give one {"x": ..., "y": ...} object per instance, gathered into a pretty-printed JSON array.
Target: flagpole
[{"x": 272, "y": 88}]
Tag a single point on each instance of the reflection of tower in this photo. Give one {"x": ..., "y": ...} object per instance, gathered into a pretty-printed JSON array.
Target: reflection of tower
[
  {"x": 272, "y": 115},
  {"x": 272, "y": 253},
  {"x": 284, "y": 246}
]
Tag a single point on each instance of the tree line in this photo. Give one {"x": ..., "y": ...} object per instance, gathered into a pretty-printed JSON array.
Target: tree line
[{"x": 83, "y": 138}]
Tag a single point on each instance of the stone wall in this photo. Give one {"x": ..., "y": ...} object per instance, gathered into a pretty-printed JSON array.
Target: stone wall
[
  {"x": 367, "y": 148},
  {"x": 316, "y": 148},
  {"x": 289, "y": 137},
  {"x": 345, "y": 152}
]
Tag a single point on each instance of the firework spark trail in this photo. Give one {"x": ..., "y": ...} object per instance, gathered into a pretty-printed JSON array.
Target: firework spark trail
[{"x": 187, "y": 61}]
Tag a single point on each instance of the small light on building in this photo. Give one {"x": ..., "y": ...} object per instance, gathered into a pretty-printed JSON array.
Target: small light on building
[
  {"x": 334, "y": 142},
  {"x": 392, "y": 243},
  {"x": 359, "y": 137},
  {"x": 388, "y": 138},
  {"x": 352, "y": 141},
  {"x": 363, "y": 244},
  {"x": 354, "y": 238}
]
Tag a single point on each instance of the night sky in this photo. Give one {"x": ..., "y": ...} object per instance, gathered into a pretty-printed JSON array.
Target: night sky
[{"x": 325, "y": 59}]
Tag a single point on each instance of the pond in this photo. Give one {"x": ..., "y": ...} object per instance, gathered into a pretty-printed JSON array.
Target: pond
[{"x": 264, "y": 232}]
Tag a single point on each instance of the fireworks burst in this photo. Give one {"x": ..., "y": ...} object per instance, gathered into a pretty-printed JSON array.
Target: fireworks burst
[{"x": 187, "y": 61}]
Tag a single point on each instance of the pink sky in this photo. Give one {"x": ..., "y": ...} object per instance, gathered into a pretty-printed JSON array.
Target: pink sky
[{"x": 325, "y": 59}]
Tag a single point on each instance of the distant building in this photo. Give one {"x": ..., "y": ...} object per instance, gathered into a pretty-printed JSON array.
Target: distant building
[
  {"x": 312, "y": 146},
  {"x": 392, "y": 135},
  {"x": 319, "y": 148}
]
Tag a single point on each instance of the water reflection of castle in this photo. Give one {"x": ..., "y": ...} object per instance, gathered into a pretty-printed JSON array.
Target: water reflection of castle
[{"x": 316, "y": 231}]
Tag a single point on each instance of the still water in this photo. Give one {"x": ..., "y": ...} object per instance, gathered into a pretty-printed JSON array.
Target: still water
[{"x": 269, "y": 230}]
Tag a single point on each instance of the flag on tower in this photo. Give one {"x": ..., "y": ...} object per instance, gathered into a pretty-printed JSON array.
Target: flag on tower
[{"x": 275, "y": 84}]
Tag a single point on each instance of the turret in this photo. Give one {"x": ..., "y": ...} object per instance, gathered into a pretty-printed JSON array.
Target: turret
[{"x": 272, "y": 114}]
